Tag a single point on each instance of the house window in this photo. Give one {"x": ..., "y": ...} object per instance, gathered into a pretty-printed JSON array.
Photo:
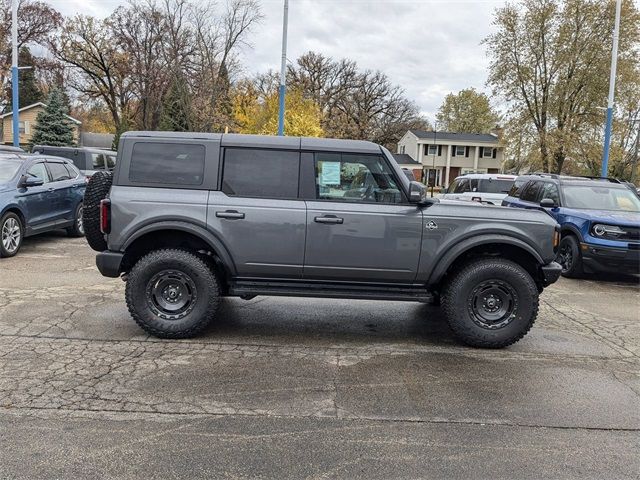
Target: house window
[
  {"x": 402, "y": 149},
  {"x": 460, "y": 150},
  {"x": 487, "y": 152},
  {"x": 21, "y": 128},
  {"x": 432, "y": 149}
]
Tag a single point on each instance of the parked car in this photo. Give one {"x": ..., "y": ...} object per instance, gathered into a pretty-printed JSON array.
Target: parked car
[
  {"x": 88, "y": 160},
  {"x": 38, "y": 194},
  {"x": 490, "y": 188},
  {"x": 599, "y": 220},
  {"x": 189, "y": 218}
]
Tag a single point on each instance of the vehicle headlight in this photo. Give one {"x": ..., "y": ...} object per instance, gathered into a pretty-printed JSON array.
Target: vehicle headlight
[{"x": 602, "y": 230}]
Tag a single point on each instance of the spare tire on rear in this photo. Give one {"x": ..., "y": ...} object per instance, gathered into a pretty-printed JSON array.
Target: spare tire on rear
[{"x": 97, "y": 190}]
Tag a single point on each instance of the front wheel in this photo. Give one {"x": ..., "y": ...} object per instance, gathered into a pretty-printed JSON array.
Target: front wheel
[
  {"x": 569, "y": 257},
  {"x": 490, "y": 303},
  {"x": 11, "y": 234},
  {"x": 172, "y": 294}
]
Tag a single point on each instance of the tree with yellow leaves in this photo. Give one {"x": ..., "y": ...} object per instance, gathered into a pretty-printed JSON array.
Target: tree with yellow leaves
[{"x": 254, "y": 112}]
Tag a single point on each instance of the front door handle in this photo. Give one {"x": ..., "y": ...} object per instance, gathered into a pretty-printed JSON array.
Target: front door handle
[
  {"x": 230, "y": 214},
  {"x": 332, "y": 219}
]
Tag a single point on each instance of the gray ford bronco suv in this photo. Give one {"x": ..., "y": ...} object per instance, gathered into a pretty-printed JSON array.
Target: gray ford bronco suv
[{"x": 188, "y": 218}]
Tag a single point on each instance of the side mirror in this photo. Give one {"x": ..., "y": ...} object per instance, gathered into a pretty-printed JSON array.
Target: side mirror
[
  {"x": 417, "y": 192},
  {"x": 548, "y": 203},
  {"x": 26, "y": 182}
]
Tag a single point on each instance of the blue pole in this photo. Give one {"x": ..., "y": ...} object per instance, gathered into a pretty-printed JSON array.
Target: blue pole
[
  {"x": 281, "y": 96},
  {"x": 607, "y": 142},
  {"x": 612, "y": 87},
  {"x": 14, "y": 101}
]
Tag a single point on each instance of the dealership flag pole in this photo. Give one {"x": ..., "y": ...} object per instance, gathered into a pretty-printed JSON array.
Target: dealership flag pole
[
  {"x": 14, "y": 73},
  {"x": 612, "y": 87},
  {"x": 283, "y": 69}
]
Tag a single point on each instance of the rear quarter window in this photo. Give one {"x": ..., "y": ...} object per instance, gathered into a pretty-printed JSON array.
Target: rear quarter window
[
  {"x": 167, "y": 163},
  {"x": 516, "y": 188}
]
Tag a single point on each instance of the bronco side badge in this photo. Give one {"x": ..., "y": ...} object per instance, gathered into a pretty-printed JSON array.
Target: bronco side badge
[{"x": 431, "y": 225}]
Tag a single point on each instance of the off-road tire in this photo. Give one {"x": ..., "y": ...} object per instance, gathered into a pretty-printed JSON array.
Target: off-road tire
[
  {"x": 76, "y": 230},
  {"x": 97, "y": 190},
  {"x": 462, "y": 287},
  {"x": 575, "y": 270},
  {"x": 140, "y": 284},
  {"x": 4, "y": 253}
]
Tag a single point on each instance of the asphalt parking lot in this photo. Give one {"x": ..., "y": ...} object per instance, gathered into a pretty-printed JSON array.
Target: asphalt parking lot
[{"x": 306, "y": 388}]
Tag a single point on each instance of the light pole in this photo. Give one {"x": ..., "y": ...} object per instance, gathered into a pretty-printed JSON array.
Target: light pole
[
  {"x": 634, "y": 164},
  {"x": 14, "y": 74},
  {"x": 612, "y": 86},
  {"x": 283, "y": 70}
]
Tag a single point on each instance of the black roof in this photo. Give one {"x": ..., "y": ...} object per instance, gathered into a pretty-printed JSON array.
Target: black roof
[
  {"x": 462, "y": 137},
  {"x": 405, "y": 159}
]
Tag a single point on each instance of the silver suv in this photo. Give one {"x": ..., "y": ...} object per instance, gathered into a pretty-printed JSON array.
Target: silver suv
[{"x": 188, "y": 218}]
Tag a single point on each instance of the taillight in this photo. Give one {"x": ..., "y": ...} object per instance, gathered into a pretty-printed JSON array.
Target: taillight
[{"x": 105, "y": 216}]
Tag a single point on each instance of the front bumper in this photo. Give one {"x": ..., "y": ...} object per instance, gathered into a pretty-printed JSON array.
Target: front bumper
[
  {"x": 551, "y": 273},
  {"x": 607, "y": 259},
  {"x": 109, "y": 263}
]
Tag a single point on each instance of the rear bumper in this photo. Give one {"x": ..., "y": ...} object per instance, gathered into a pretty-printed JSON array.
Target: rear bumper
[
  {"x": 109, "y": 263},
  {"x": 550, "y": 273},
  {"x": 607, "y": 259}
]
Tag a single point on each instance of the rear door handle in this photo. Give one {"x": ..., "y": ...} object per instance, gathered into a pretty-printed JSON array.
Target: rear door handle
[
  {"x": 332, "y": 219},
  {"x": 230, "y": 214}
]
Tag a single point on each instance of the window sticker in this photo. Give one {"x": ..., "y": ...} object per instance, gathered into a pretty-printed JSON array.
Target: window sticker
[{"x": 330, "y": 173}]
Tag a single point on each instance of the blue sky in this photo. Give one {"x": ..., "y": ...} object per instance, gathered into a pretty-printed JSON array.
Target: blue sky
[{"x": 429, "y": 47}]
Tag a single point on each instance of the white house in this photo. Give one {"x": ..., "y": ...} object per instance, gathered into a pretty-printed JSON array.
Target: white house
[{"x": 445, "y": 155}]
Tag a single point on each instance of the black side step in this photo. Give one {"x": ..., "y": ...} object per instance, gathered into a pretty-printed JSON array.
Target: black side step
[{"x": 329, "y": 290}]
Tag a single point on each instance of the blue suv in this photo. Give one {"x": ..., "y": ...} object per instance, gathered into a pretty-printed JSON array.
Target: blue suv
[
  {"x": 599, "y": 220},
  {"x": 38, "y": 194}
]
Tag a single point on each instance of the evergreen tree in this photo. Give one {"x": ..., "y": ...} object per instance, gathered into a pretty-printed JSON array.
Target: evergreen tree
[
  {"x": 52, "y": 126},
  {"x": 28, "y": 90},
  {"x": 176, "y": 107}
]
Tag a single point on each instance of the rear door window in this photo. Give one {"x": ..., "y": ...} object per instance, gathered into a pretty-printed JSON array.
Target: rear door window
[
  {"x": 167, "y": 163},
  {"x": 58, "y": 172},
  {"x": 531, "y": 192},
  {"x": 463, "y": 186},
  {"x": 254, "y": 172},
  {"x": 516, "y": 188}
]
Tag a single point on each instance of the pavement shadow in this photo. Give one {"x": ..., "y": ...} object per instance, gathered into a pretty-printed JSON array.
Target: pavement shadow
[{"x": 343, "y": 321}]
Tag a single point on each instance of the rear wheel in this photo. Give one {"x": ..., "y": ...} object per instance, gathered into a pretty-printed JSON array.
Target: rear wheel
[
  {"x": 569, "y": 257},
  {"x": 172, "y": 294},
  {"x": 490, "y": 302},
  {"x": 11, "y": 234},
  {"x": 77, "y": 230}
]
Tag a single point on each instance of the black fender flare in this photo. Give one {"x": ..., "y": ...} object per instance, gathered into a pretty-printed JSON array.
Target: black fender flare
[
  {"x": 203, "y": 234},
  {"x": 571, "y": 228},
  {"x": 465, "y": 245}
]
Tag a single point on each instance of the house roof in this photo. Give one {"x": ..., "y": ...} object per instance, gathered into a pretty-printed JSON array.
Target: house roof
[
  {"x": 38, "y": 104},
  {"x": 462, "y": 137},
  {"x": 405, "y": 159}
]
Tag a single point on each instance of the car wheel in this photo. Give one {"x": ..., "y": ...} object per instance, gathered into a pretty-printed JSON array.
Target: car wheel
[
  {"x": 97, "y": 190},
  {"x": 11, "y": 234},
  {"x": 569, "y": 257},
  {"x": 77, "y": 230},
  {"x": 172, "y": 294},
  {"x": 490, "y": 303}
]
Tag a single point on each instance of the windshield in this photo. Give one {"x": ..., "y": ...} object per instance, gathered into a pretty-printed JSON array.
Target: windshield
[
  {"x": 491, "y": 185},
  {"x": 8, "y": 169},
  {"x": 591, "y": 197}
]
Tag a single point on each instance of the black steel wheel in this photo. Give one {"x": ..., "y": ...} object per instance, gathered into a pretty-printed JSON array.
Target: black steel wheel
[
  {"x": 172, "y": 293},
  {"x": 490, "y": 302}
]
